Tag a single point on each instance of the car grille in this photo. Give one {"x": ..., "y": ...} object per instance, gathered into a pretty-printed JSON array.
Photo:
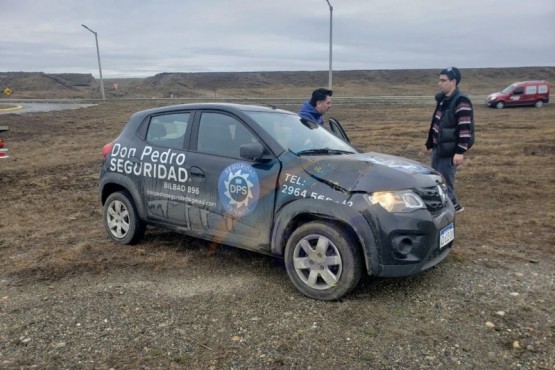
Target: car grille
[{"x": 434, "y": 197}]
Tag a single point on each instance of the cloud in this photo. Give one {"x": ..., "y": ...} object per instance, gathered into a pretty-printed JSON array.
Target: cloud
[{"x": 146, "y": 37}]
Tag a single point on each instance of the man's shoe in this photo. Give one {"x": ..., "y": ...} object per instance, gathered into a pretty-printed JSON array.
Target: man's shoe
[{"x": 459, "y": 208}]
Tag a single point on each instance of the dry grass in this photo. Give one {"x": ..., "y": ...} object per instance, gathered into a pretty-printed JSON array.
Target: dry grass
[
  {"x": 51, "y": 224},
  {"x": 506, "y": 183},
  {"x": 72, "y": 299}
]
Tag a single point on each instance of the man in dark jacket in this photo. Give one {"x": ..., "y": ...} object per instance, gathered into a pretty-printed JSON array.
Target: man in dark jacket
[
  {"x": 451, "y": 131},
  {"x": 315, "y": 108}
]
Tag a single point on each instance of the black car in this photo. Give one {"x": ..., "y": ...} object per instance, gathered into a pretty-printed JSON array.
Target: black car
[{"x": 266, "y": 180}]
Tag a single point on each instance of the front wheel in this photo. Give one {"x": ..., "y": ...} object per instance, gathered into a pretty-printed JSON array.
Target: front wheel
[
  {"x": 121, "y": 219},
  {"x": 539, "y": 104},
  {"x": 323, "y": 261},
  {"x": 499, "y": 105}
]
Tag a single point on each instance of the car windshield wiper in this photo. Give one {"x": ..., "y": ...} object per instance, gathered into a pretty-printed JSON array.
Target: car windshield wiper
[{"x": 324, "y": 151}]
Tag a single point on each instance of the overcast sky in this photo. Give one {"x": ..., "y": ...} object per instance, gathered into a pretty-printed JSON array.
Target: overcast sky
[{"x": 139, "y": 38}]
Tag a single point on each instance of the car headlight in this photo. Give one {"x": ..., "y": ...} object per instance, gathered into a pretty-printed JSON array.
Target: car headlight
[{"x": 397, "y": 201}]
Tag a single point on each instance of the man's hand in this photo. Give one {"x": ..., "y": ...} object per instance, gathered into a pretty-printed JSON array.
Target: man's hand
[{"x": 458, "y": 159}]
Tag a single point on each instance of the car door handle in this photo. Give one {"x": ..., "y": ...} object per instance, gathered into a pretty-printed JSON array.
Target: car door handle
[{"x": 196, "y": 172}]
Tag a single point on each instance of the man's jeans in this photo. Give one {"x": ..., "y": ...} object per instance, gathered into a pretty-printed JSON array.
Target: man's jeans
[{"x": 445, "y": 166}]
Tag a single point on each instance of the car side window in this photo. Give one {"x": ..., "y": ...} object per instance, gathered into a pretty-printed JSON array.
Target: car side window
[
  {"x": 168, "y": 130},
  {"x": 220, "y": 134},
  {"x": 542, "y": 89},
  {"x": 531, "y": 90},
  {"x": 518, "y": 91}
]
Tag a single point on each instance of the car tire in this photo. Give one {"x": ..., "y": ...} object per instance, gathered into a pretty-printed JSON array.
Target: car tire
[
  {"x": 121, "y": 219},
  {"x": 539, "y": 104},
  {"x": 499, "y": 105},
  {"x": 323, "y": 261}
]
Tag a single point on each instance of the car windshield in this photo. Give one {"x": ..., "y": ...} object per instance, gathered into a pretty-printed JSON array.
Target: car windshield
[
  {"x": 508, "y": 89},
  {"x": 300, "y": 136}
]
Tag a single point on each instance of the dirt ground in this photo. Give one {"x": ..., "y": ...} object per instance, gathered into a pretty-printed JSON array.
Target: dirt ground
[{"x": 69, "y": 298}]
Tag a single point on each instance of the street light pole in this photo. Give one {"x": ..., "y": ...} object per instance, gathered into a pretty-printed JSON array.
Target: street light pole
[
  {"x": 331, "y": 18},
  {"x": 99, "y": 66}
]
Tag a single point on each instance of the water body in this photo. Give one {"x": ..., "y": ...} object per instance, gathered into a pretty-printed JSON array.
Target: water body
[{"x": 22, "y": 108}]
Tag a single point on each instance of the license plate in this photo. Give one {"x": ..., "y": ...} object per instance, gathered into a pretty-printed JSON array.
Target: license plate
[{"x": 446, "y": 236}]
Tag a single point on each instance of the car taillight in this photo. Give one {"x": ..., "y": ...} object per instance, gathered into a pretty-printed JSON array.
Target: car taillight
[
  {"x": 3, "y": 151},
  {"x": 107, "y": 149}
]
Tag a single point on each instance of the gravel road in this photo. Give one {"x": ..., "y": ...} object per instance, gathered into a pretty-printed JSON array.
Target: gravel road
[{"x": 233, "y": 309}]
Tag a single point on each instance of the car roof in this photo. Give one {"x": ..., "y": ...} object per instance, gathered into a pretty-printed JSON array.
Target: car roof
[
  {"x": 209, "y": 105},
  {"x": 531, "y": 82}
]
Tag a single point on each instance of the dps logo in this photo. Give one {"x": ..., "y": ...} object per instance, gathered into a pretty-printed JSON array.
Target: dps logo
[{"x": 239, "y": 189}]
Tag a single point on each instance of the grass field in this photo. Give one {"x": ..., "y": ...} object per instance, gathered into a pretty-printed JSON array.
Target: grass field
[{"x": 52, "y": 239}]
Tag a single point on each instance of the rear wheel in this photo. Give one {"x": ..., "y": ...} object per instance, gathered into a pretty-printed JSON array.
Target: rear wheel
[
  {"x": 121, "y": 219},
  {"x": 323, "y": 261},
  {"x": 499, "y": 105},
  {"x": 539, "y": 104}
]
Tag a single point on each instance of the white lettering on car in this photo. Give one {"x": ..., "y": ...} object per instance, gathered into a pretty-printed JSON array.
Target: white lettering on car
[
  {"x": 162, "y": 165},
  {"x": 295, "y": 187}
]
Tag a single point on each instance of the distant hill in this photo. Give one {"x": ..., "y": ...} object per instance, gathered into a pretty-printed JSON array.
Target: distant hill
[{"x": 296, "y": 84}]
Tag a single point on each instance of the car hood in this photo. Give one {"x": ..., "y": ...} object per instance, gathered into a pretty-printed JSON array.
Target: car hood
[
  {"x": 494, "y": 95},
  {"x": 369, "y": 172}
]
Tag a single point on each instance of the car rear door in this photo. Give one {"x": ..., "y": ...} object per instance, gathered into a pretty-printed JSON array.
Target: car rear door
[
  {"x": 161, "y": 163},
  {"x": 530, "y": 94},
  {"x": 233, "y": 198}
]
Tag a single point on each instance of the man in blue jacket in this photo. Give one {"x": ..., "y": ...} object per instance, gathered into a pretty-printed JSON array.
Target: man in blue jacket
[{"x": 315, "y": 108}]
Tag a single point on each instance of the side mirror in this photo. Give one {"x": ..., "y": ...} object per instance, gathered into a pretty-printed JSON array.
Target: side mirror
[{"x": 252, "y": 152}]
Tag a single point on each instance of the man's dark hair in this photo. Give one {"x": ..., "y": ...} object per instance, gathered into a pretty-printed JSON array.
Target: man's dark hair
[
  {"x": 452, "y": 73},
  {"x": 319, "y": 94}
]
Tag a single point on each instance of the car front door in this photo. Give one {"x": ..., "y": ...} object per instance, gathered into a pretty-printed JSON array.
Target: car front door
[
  {"x": 516, "y": 96},
  {"x": 232, "y": 201},
  {"x": 337, "y": 130}
]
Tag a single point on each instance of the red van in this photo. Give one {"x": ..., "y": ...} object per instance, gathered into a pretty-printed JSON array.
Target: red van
[{"x": 521, "y": 93}]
